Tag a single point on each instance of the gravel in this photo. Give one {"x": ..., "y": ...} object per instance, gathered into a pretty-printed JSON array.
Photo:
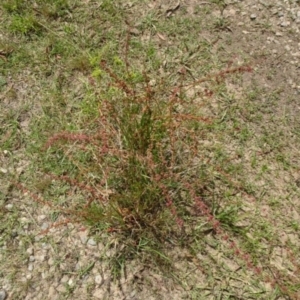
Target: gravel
[{"x": 3, "y": 295}]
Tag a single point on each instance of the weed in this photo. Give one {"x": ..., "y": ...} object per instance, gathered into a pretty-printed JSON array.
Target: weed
[{"x": 133, "y": 170}]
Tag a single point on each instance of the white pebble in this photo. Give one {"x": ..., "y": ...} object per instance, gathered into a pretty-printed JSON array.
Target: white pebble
[
  {"x": 71, "y": 282},
  {"x": 3, "y": 170},
  {"x": 30, "y": 251},
  {"x": 287, "y": 48},
  {"x": 98, "y": 279},
  {"x": 285, "y": 23},
  {"x": 92, "y": 242},
  {"x": 30, "y": 267},
  {"x": 9, "y": 206}
]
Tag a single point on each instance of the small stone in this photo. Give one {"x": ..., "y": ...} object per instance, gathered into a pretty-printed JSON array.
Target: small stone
[
  {"x": 41, "y": 218},
  {"x": 30, "y": 251},
  {"x": 133, "y": 293},
  {"x": 83, "y": 235},
  {"x": 64, "y": 279},
  {"x": 99, "y": 294},
  {"x": 3, "y": 170},
  {"x": 285, "y": 24},
  {"x": 31, "y": 258},
  {"x": 38, "y": 238},
  {"x": 63, "y": 266},
  {"x": 50, "y": 261},
  {"x": 253, "y": 16},
  {"x": 41, "y": 257},
  {"x": 231, "y": 12},
  {"x": 287, "y": 48},
  {"x": 9, "y": 206},
  {"x": 280, "y": 14},
  {"x": 28, "y": 276},
  {"x": 45, "y": 226},
  {"x": 61, "y": 289},
  {"x": 78, "y": 266},
  {"x": 278, "y": 33},
  {"x": 30, "y": 267},
  {"x": 98, "y": 279},
  {"x": 24, "y": 220},
  {"x": 71, "y": 282},
  {"x": 51, "y": 292},
  {"x": 296, "y": 54},
  {"x": 3, "y": 295},
  {"x": 45, "y": 246},
  {"x": 92, "y": 242},
  {"x": 152, "y": 82}
]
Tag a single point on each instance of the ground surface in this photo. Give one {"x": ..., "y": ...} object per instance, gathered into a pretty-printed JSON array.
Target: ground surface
[{"x": 49, "y": 53}]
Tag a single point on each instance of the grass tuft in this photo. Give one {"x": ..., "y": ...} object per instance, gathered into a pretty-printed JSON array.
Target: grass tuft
[{"x": 133, "y": 172}]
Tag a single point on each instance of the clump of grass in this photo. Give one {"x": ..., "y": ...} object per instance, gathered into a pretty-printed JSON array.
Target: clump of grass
[
  {"x": 144, "y": 152},
  {"x": 134, "y": 170}
]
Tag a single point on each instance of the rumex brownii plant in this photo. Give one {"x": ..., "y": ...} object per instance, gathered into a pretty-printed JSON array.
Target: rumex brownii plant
[
  {"x": 144, "y": 150},
  {"x": 136, "y": 170},
  {"x": 136, "y": 167}
]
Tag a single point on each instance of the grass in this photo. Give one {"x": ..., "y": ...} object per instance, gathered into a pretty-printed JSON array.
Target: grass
[{"x": 137, "y": 134}]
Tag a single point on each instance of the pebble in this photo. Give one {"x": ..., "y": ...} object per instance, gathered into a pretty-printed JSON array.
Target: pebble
[
  {"x": 92, "y": 242},
  {"x": 28, "y": 276},
  {"x": 41, "y": 257},
  {"x": 45, "y": 226},
  {"x": 3, "y": 295},
  {"x": 3, "y": 170},
  {"x": 64, "y": 279},
  {"x": 99, "y": 294},
  {"x": 253, "y": 16},
  {"x": 83, "y": 235},
  {"x": 9, "y": 206},
  {"x": 61, "y": 288},
  {"x": 285, "y": 24},
  {"x": 51, "y": 292},
  {"x": 50, "y": 261},
  {"x": 287, "y": 48},
  {"x": 29, "y": 251},
  {"x": 30, "y": 267},
  {"x": 41, "y": 218},
  {"x": 24, "y": 220},
  {"x": 98, "y": 279}
]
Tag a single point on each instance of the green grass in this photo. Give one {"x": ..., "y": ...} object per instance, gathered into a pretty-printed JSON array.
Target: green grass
[{"x": 128, "y": 126}]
